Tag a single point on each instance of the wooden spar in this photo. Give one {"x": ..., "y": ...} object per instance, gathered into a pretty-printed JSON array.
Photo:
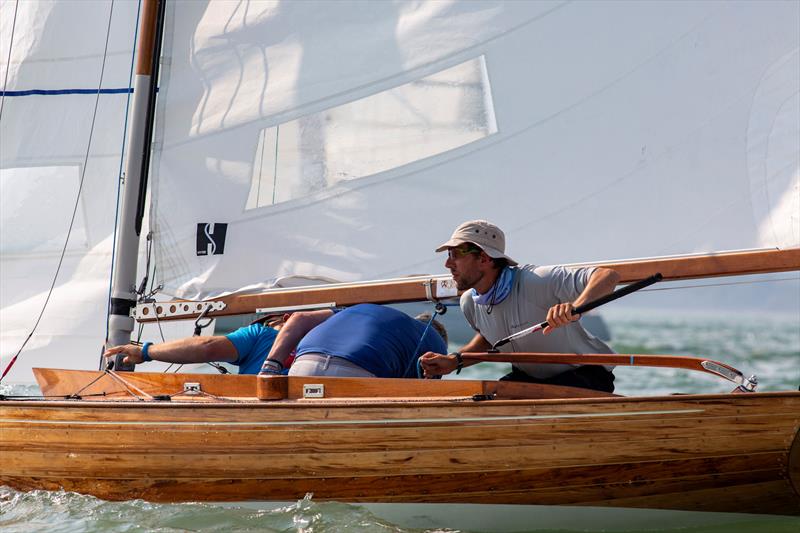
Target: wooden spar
[
  {"x": 709, "y": 265},
  {"x": 400, "y": 290},
  {"x": 417, "y": 288},
  {"x": 146, "y": 45},
  {"x": 651, "y": 360}
]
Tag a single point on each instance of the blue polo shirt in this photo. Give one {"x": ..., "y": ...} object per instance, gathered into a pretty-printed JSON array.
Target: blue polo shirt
[
  {"x": 379, "y": 339},
  {"x": 253, "y": 344}
]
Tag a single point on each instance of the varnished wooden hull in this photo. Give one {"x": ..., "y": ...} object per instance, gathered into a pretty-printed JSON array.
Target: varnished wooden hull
[{"x": 729, "y": 453}]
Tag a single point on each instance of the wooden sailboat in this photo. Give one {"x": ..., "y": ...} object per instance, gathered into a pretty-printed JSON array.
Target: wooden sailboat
[
  {"x": 197, "y": 437},
  {"x": 395, "y": 441},
  {"x": 190, "y": 437}
]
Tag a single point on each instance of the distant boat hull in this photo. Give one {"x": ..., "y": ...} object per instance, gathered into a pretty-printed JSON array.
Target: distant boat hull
[{"x": 725, "y": 453}]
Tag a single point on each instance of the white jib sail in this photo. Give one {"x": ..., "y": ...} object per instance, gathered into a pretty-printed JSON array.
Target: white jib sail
[
  {"x": 53, "y": 56},
  {"x": 347, "y": 139}
]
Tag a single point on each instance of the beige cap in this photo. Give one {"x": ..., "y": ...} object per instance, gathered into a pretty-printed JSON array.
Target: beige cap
[{"x": 483, "y": 234}]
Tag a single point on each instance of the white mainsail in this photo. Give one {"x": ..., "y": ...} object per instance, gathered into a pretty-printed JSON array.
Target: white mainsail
[{"x": 346, "y": 139}]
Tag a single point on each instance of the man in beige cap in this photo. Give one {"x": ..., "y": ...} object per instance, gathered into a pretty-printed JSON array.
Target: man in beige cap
[{"x": 502, "y": 298}]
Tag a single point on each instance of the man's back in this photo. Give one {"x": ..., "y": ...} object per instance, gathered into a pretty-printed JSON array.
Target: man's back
[{"x": 379, "y": 339}]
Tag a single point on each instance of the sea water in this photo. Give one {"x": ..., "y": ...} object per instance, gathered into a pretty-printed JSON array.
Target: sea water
[{"x": 766, "y": 345}]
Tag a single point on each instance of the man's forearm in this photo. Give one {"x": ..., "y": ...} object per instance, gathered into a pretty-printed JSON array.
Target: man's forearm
[
  {"x": 283, "y": 346},
  {"x": 293, "y": 331},
  {"x": 194, "y": 350},
  {"x": 602, "y": 282}
]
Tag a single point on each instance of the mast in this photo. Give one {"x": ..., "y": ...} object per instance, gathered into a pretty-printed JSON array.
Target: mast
[{"x": 123, "y": 292}]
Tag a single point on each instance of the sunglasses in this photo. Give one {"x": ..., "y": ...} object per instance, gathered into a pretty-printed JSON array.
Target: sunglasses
[{"x": 456, "y": 253}]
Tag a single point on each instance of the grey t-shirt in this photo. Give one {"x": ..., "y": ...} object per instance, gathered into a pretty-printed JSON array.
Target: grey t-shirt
[{"x": 534, "y": 292}]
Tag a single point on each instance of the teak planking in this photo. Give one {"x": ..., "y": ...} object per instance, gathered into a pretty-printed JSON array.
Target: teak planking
[{"x": 394, "y": 291}]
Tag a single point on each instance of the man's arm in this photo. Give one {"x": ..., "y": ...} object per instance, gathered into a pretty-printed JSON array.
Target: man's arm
[
  {"x": 188, "y": 350},
  {"x": 436, "y": 364},
  {"x": 601, "y": 282},
  {"x": 295, "y": 328}
]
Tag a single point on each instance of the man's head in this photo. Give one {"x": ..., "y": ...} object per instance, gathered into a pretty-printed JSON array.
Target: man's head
[
  {"x": 274, "y": 320},
  {"x": 476, "y": 254},
  {"x": 425, "y": 317}
]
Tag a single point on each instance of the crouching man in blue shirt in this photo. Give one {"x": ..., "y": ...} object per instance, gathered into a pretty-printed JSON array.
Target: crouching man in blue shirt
[
  {"x": 247, "y": 347},
  {"x": 364, "y": 340}
]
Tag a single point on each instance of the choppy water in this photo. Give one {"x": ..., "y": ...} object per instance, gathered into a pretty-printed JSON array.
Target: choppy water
[{"x": 765, "y": 345}]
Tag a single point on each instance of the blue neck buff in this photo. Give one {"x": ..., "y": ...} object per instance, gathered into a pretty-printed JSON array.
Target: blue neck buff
[{"x": 499, "y": 291}]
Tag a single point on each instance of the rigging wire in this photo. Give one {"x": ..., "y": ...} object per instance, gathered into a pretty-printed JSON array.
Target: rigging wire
[
  {"x": 77, "y": 198},
  {"x": 8, "y": 60},
  {"x": 158, "y": 323}
]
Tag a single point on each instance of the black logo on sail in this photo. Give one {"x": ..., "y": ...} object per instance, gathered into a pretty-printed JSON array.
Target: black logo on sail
[{"x": 211, "y": 238}]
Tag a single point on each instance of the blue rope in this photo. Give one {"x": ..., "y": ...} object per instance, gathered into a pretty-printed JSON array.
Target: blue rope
[
  {"x": 119, "y": 174},
  {"x": 415, "y": 359}
]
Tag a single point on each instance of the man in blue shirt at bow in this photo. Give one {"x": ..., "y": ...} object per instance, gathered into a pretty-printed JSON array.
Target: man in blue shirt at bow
[{"x": 247, "y": 347}]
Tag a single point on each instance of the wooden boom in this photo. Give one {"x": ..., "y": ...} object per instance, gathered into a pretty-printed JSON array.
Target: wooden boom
[
  {"x": 709, "y": 265},
  {"x": 423, "y": 288}
]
